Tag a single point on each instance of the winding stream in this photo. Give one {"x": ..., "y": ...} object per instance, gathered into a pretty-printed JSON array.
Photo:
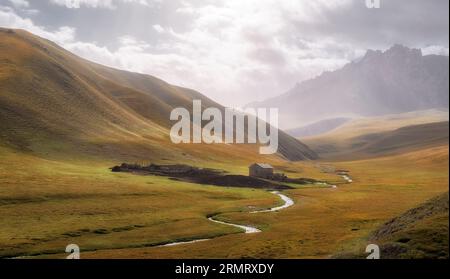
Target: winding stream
[
  {"x": 287, "y": 203},
  {"x": 247, "y": 229},
  {"x": 347, "y": 178}
]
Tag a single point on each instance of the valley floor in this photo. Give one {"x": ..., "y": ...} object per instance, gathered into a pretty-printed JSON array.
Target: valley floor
[{"x": 46, "y": 205}]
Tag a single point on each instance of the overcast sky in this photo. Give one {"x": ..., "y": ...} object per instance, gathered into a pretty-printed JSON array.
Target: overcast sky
[{"x": 234, "y": 51}]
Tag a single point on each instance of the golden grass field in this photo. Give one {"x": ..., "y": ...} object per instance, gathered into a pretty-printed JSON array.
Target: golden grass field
[{"x": 47, "y": 205}]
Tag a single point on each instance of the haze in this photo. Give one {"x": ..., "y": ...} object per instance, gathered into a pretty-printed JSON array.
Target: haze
[{"x": 233, "y": 51}]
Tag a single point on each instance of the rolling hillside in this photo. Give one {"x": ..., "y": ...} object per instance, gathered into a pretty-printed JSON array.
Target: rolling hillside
[
  {"x": 55, "y": 104},
  {"x": 421, "y": 232},
  {"x": 372, "y": 137},
  {"x": 317, "y": 128}
]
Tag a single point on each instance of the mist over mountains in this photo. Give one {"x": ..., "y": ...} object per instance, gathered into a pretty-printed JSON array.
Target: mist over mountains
[
  {"x": 397, "y": 80},
  {"x": 318, "y": 127}
]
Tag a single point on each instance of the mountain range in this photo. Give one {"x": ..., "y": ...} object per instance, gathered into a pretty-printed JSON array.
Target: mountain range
[{"x": 397, "y": 80}]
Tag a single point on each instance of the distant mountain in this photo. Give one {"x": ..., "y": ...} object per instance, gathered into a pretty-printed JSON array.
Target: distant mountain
[
  {"x": 397, "y": 80},
  {"x": 53, "y": 103},
  {"x": 317, "y": 128}
]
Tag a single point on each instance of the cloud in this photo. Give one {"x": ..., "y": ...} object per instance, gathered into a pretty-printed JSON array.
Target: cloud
[
  {"x": 238, "y": 51},
  {"x": 409, "y": 22},
  {"x": 158, "y": 28},
  {"x": 20, "y": 3},
  {"x": 437, "y": 50},
  {"x": 23, "y": 6},
  {"x": 109, "y": 4},
  {"x": 9, "y": 18}
]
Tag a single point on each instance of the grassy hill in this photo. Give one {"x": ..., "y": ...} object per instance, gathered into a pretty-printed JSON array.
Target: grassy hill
[
  {"x": 55, "y": 104},
  {"x": 421, "y": 232},
  {"x": 381, "y": 136}
]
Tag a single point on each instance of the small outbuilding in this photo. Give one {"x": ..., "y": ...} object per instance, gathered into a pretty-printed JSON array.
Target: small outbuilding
[{"x": 260, "y": 170}]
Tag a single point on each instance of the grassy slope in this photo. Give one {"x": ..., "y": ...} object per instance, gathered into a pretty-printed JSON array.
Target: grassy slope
[
  {"x": 380, "y": 136},
  {"x": 421, "y": 232},
  {"x": 55, "y": 103}
]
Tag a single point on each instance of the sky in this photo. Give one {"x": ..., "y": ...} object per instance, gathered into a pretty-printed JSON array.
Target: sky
[{"x": 233, "y": 51}]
